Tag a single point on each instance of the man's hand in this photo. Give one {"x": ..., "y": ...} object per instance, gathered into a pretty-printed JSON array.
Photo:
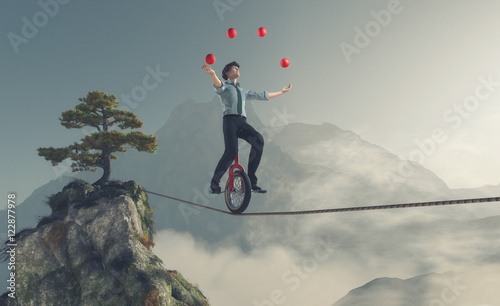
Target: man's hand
[
  {"x": 208, "y": 69},
  {"x": 287, "y": 88},
  {"x": 279, "y": 93}
]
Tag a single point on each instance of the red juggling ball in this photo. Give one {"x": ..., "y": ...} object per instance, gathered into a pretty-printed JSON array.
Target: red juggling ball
[
  {"x": 231, "y": 33},
  {"x": 262, "y": 32},
  {"x": 210, "y": 59},
  {"x": 284, "y": 62}
]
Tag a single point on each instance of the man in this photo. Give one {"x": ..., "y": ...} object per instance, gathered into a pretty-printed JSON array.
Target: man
[{"x": 234, "y": 124}]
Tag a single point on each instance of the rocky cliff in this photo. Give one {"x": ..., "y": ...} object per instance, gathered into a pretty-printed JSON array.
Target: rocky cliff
[{"x": 95, "y": 249}]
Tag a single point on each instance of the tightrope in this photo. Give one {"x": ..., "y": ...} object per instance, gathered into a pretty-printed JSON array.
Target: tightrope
[{"x": 337, "y": 210}]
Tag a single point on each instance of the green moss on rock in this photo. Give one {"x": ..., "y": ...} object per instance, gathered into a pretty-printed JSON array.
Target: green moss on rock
[{"x": 95, "y": 249}]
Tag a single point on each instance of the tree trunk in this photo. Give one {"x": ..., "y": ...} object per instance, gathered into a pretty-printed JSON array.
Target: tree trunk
[{"x": 106, "y": 162}]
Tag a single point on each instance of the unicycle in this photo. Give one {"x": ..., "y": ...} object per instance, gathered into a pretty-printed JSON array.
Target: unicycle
[{"x": 238, "y": 188}]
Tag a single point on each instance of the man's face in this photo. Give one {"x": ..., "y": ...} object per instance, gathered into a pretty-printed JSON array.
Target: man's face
[{"x": 233, "y": 73}]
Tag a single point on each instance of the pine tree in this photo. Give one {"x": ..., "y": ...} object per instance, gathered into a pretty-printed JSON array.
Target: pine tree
[{"x": 99, "y": 110}]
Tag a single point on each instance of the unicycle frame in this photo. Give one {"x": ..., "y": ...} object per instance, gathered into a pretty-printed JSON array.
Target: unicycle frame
[
  {"x": 235, "y": 166},
  {"x": 237, "y": 194}
]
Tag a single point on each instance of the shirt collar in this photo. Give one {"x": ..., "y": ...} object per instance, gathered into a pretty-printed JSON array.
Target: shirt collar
[{"x": 231, "y": 82}]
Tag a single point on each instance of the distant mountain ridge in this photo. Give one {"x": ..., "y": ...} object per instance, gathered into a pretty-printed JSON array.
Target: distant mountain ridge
[
  {"x": 304, "y": 167},
  {"x": 191, "y": 143},
  {"x": 476, "y": 284}
]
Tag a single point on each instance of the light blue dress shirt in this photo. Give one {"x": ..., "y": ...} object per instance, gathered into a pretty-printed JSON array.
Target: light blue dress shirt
[{"x": 229, "y": 97}]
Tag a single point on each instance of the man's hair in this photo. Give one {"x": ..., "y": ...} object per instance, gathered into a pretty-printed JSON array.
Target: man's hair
[{"x": 227, "y": 68}]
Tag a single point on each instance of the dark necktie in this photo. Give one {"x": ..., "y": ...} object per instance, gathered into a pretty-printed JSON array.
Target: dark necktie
[{"x": 240, "y": 102}]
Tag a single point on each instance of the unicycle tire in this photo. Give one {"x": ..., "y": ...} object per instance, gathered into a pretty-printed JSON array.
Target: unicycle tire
[{"x": 237, "y": 199}]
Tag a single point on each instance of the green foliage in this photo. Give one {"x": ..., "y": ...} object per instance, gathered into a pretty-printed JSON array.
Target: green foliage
[
  {"x": 182, "y": 290},
  {"x": 77, "y": 190},
  {"x": 52, "y": 202},
  {"x": 99, "y": 110},
  {"x": 137, "y": 193}
]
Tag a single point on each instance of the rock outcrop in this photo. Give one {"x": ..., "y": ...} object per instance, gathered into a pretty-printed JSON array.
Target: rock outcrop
[{"x": 95, "y": 249}]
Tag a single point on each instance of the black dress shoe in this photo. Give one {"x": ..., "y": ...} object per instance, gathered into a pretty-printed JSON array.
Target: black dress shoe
[
  {"x": 215, "y": 189},
  {"x": 257, "y": 189}
]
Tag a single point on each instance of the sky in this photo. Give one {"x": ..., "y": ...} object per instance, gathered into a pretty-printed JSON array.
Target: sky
[{"x": 417, "y": 78}]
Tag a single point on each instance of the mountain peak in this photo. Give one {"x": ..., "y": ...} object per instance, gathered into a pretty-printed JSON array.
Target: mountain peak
[{"x": 95, "y": 247}]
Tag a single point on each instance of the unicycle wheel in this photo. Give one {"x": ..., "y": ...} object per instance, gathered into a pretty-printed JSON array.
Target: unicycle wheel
[{"x": 238, "y": 198}]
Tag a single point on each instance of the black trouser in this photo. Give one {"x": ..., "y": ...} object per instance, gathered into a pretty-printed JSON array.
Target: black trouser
[{"x": 235, "y": 127}]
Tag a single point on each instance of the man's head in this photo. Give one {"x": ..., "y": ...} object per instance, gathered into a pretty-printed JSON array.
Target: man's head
[{"x": 231, "y": 71}]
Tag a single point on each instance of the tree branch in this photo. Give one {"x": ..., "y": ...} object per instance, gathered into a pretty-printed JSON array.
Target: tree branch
[{"x": 96, "y": 126}]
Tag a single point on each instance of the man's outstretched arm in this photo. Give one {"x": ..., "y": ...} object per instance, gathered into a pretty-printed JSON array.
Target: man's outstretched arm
[
  {"x": 208, "y": 69},
  {"x": 279, "y": 93}
]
